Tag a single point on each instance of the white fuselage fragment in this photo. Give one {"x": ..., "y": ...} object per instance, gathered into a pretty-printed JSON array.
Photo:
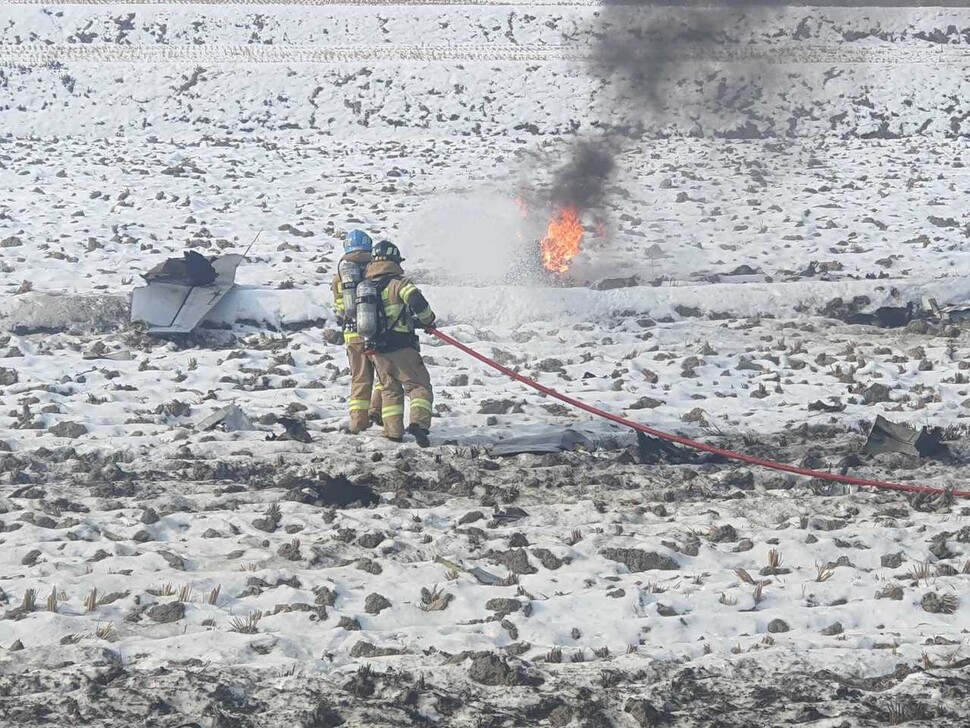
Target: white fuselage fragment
[{"x": 170, "y": 308}]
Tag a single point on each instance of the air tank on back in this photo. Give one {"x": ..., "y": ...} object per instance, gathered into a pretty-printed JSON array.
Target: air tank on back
[
  {"x": 366, "y": 305},
  {"x": 350, "y": 275}
]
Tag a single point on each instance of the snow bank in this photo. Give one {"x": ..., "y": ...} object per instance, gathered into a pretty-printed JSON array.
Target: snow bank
[
  {"x": 505, "y": 306},
  {"x": 512, "y": 306}
]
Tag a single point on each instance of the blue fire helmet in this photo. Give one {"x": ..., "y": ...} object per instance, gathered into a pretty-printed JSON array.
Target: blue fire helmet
[{"x": 357, "y": 240}]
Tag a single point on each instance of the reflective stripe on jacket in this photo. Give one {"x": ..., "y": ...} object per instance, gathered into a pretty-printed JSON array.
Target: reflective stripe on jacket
[{"x": 401, "y": 300}]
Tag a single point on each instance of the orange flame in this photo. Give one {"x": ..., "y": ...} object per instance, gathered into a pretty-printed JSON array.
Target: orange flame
[{"x": 561, "y": 243}]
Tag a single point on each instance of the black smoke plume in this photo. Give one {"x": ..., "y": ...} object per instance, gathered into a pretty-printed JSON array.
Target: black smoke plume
[
  {"x": 636, "y": 47},
  {"x": 581, "y": 182}
]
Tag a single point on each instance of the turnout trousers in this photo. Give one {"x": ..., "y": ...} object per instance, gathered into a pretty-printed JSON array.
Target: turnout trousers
[
  {"x": 365, "y": 393},
  {"x": 403, "y": 373}
]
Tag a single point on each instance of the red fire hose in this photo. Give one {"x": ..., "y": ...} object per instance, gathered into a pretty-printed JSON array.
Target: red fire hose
[{"x": 686, "y": 442}]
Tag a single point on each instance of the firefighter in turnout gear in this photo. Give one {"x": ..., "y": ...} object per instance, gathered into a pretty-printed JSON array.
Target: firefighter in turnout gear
[
  {"x": 365, "y": 393},
  {"x": 394, "y": 345}
]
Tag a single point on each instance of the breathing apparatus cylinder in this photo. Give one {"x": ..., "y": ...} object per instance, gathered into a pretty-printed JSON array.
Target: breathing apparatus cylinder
[
  {"x": 350, "y": 275},
  {"x": 366, "y": 306}
]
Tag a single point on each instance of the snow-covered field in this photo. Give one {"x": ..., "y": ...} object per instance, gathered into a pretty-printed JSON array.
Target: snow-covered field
[{"x": 780, "y": 171}]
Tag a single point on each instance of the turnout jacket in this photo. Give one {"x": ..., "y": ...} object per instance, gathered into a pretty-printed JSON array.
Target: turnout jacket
[
  {"x": 361, "y": 258},
  {"x": 403, "y": 304}
]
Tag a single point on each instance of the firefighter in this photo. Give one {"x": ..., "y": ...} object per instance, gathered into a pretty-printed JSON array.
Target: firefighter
[
  {"x": 365, "y": 393},
  {"x": 395, "y": 350}
]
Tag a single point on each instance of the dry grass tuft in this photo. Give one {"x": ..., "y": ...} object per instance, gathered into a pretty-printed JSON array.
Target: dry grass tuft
[
  {"x": 726, "y": 600},
  {"x": 825, "y": 572},
  {"x": 890, "y": 591},
  {"x": 102, "y": 600},
  {"x": 52, "y": 600},
  {"x": 758, "y": 592},
  {"x": 744, "y": 576},
  {"x": 106, "y": 632},
  {"x": 30, "y": 601},
  {"x": 774, "y": 559},
  {"x": 214, "y": 594},
  {"x": 949, "y": 603},
  {"x": 574, "y": 538},
  {"x": 91, "y": 602},
  {"x": 274, "y": 513},
  {"x": 904, "y": 710},
  {"x": 185, "y": 593},
  {"x": 162, "y": 590},
  {"x": 920, "y": 571},
  {"x": 247, "y": 625},
  {"x": 435, "y": 600},
  {"x": 554, "y": 655}
]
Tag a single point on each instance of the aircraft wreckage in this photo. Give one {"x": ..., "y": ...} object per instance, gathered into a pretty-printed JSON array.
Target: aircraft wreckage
[{"x": 181, "y": 292}]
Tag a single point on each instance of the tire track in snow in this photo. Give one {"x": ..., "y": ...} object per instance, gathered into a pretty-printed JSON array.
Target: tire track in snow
[
  {"x": 39, "y": 54},
  {"x": 331, "y": 3},
  {"x": 836, "y": 4}
]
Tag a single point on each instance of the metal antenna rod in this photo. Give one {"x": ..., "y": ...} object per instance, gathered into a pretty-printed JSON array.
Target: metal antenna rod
[{"x": 252, "y": 243}]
